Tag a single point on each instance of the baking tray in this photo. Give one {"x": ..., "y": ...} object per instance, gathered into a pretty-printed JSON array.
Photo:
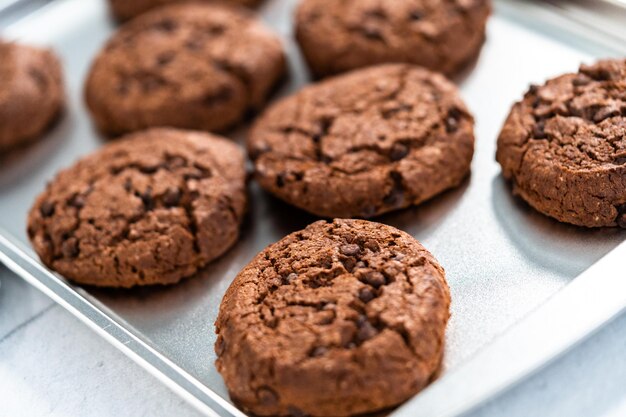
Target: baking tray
[{"x": 524, "y": 287}]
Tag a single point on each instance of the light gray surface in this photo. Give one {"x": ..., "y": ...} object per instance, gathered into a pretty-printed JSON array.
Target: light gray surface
[
  {"x": 503, "y": 261},
  {"x": 51, "y": 365}
]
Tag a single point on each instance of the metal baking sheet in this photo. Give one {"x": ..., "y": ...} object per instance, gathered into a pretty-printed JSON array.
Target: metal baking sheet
[{"x": 512, "y": 272}]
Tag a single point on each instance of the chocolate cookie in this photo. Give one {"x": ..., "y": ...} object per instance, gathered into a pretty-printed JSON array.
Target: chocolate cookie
[
  {"x": 338, "y": 319},
  {"x": 31, "y": 93},
  {"x": 151, "y": 208},
  {"x": 564, "y": 146},
  {"x": 340, "y": 35},
  {"x": 196, "y": 66},
  {"x": 364, "y": 143},
  {"x": 127, "y": 9}
]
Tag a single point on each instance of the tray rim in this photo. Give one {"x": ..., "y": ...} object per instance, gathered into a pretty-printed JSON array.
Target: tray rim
[{"x": 434, "y": 401}]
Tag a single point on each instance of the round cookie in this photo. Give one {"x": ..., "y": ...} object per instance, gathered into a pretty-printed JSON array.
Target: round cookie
[
  {"x": 31, "y": 93},
  {"x": 127, "y": 9},
  {"x": 564, "y": 146},
  {"x": 341, "y": 318},
  {"x": 340, "y": 35},
  {"x": 151, "y": 208},
  {"x": 364, "y": 143},
  {"x": 196, "y": 66}
]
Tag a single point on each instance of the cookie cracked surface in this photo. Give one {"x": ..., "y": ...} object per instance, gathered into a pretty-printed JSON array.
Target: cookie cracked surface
[
  {"x": 31, "y": 93},
  {"x": 564, "y": 146},
  {"x": 198, "y": 66},
  {"x": 152, "y": 208},
  {"x": 127, "y": 9},
  {"x": 364, "y": 143},
  {"x": 341, "y": 318},
  {"x": 340, "y": 35}
]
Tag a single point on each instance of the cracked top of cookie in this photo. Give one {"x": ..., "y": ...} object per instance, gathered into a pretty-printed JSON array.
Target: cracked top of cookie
[
  {"x": 339, "y": 35},
  {"x": 151, "y": 208},
  {"x": 31, "y": 92},
  {"x": 565, "y": 142},
  {"x": 332, "y": 316},
  {"x": 199, "y": 65},
  {"x": 364, "y": 143}
]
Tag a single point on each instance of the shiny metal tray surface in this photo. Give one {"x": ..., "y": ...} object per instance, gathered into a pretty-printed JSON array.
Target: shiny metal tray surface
[{"x": 524, "y": 287}]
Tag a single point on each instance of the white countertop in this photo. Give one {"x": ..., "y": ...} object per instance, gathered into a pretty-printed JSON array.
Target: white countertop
[{"x": 53, "y": 365}]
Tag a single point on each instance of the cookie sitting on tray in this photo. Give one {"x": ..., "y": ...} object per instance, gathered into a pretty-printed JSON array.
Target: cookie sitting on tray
[
  {"x": 341, "y": 318},
  {"x": 151, "y": 208},
  {"x": 564, "y": 146},
  {"x": 127, "y": 9},
  {"x": 199, "y": 66},
  {"x": 31, "y": 93},
  {"x": 340, "y": 35},
  {"x": 364, "y": 143}
]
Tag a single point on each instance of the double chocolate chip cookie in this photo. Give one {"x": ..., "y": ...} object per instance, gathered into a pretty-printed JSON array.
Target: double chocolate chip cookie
[
  {"x": 341, "y": 318},
  {"x": 340, "y": 35},
  {"x": 196, "y": 66},
  {"x": 364, "y": 143},
  {"x": 127, "y": 9},
  {"x": 564, "y": 146},
  {"x": 151, "y": 208},
  {"x": 31, "y": 93}
]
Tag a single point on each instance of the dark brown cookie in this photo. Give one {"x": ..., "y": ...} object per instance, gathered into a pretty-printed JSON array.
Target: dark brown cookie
[
  {"x": 564, "y": 146},
  {"x": 127, "y": 9},
  {"x": 195, "y": 66},
  {"x": 341, "y": 318},
  {"x": 151, "y": 208},
  {"x": 340, "y": 35},
  {"x": 364, "y": 143},
  {"x": 31, "y": 93}
]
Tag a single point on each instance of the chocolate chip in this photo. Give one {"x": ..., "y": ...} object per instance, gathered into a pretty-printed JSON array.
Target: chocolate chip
[
  {"x": 374, "y": 278},
  {"x": 267, "y": 396},
  {"x": 70, "y": 248},
  {"x": 172, "y": 196},
  {"x": 452, "y": 120},
  {"x": 290, "y": 278},
  {"x": 350, "y": 249},
  {"x": 398, "y": 151},
  {"x": 365, "y": 330},
  {"x": 128, "y": 185},
  {"x": 217, "y": 30},
  {"x": 580, "y": 80},
  {"x": 366, "y": 295},
  {"x": 280, "y": 180},
  {"x": 533, "y": 89},
  {"x": 165, "y": 25},
  {"x": 371, "y": 32},
  {"x": 319, "y": 351},
  {"x": 620, "y": 160},
  {"x": 372, "y": 245},
  {"x": 150, "y": 169},
  {"x": 605, "y": 113},
  {"x": 146, "y": 199},
  {"x": 175, "y": 162},
  {"x": 415, "y": 15},
  {"x": 77, "y": 201},
  {"x": 396, "y": 195},
  {"x": 538, "y": 130},
  {"x": 46, "y": 209},
  {"x": 360, "y": 264}
]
